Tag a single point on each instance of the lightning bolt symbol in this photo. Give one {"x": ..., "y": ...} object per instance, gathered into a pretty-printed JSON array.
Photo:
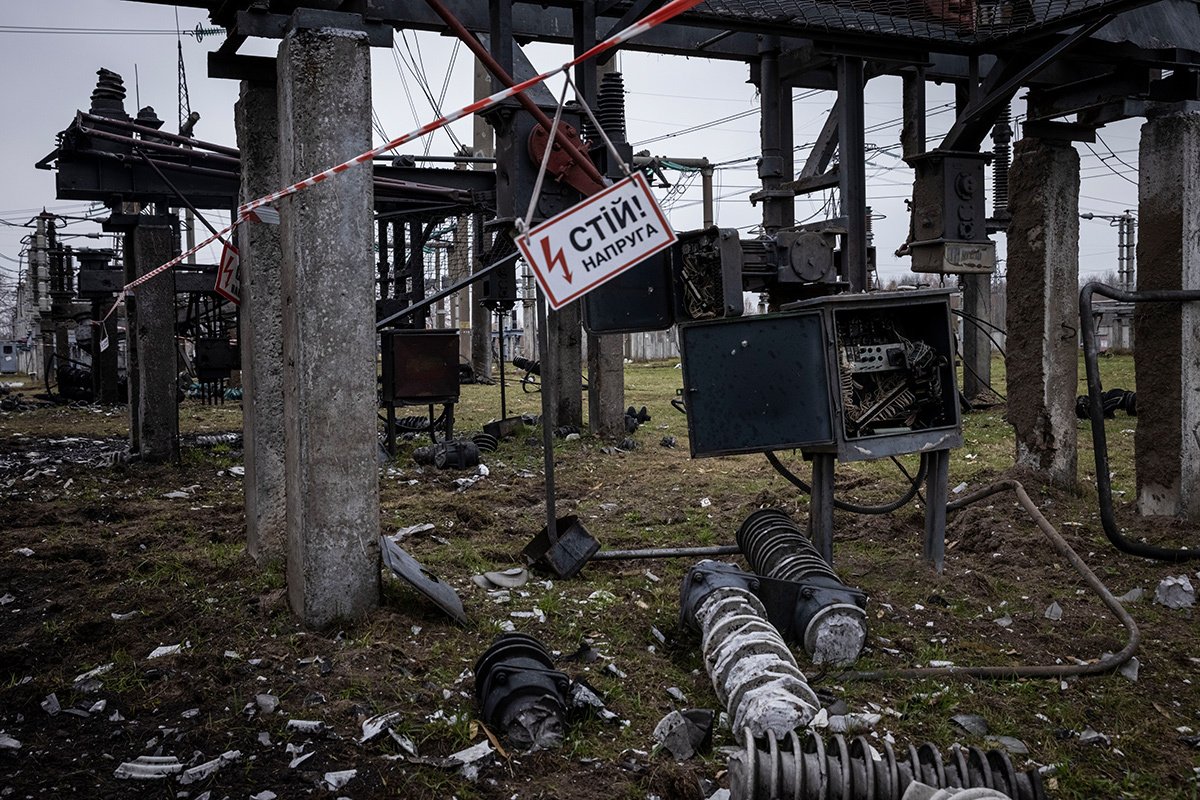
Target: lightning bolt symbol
[{"x": 556, "y": 258}]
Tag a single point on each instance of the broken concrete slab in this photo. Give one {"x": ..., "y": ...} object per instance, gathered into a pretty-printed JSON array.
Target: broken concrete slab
[{"x": 1175, "y": 591}]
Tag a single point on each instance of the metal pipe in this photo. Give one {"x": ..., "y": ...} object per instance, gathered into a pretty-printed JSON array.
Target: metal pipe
[
  {"x": 161, "y": 146},
  {"x": 172, "y": 137},
  {"x": 488, "y": 61},
  {"x": 1102, "y": 665},
  {"x": 668, "y": 552},
  {"x": 1087, "y": 327}
]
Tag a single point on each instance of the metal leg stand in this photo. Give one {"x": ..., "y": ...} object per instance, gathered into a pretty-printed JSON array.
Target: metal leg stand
[
  {"x": 391, "y": 429},
  {"x": 936, "y": 491},
  {"x": 820, "y": 512},
  {"x": 548, "y": 369}
]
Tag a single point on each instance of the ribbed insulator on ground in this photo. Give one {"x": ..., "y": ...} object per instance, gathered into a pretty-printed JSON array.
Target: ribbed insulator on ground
[
  {"x": 832, "y": 627},
  {"x": 803, "y": 766},
  {"x": 413, "y": 423},
  {"x": 485, "y": 442},
  {"x": 528, "y": 364},
  {"x": 611, "y": 102},
  {"x": 753, "y": 672}
]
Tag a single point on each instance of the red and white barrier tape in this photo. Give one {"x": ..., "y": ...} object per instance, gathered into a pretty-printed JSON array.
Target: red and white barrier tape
[
  {"x": 245, "y": 212},
  {"x": 671, "y": 9}
]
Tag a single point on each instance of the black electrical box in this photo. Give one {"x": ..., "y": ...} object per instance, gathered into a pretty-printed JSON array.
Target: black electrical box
[
  {"x": 707, "y": 269},
  {"x": 638, "y": 299},
  {"x": 216, "y": 359},
  {"x": 420, "y": 367},
  {"x": 756, "y": 383}
]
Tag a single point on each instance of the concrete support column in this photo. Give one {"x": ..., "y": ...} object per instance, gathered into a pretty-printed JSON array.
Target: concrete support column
[
  {"x": 256, "y": 119},
  {"x": 133, "y": 372},
  {"x": 566, "y": 348},
  {"x": 606, "y": 384},
  {"x": 976, "y": 345},
  {"x": 1167, "y": 337},
  {"x": 154, "y": 243},
  {"x": 329, "y": 343},
  {"x": 1043, "y": 317}
]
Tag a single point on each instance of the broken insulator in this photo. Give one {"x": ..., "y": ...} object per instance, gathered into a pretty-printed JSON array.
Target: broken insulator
[
  {"x": 520, "y": 694},
  {"x": 829, "y": 619},
  {"x": 807, "y": 767},
  {"x": 530, "y": 366},
  {"x": 486, "y": 442},
  {"x": 753, "y": 673},
  {"x": 566, "y": 430}
]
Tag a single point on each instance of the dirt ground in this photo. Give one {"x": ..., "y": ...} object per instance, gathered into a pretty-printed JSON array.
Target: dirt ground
[{"x": 102, "y": 562}]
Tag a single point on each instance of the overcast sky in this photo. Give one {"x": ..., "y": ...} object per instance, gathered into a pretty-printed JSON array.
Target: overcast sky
[{"x": 672, "y": 104}]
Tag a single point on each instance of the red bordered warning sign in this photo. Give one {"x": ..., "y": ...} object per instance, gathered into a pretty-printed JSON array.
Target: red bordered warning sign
[
  {"x": 596, "y": 240},
  {"x": 229, "y": 285}
]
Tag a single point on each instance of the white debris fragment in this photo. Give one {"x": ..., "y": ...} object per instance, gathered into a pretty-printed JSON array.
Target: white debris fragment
[
  {"x": 98, "y": 707},
  {"x": 1133, "y": 595},
  {"x": 412, "y": 530},
  {"x": 264, "y": 739},
  {"x": 265, "y": 794},
  {"x": 406, "y": 744},
  {"x": 191, "y": 713},
  {"x": 1053, "y": 612},
  {"x": 51, "y": 705},
  {"x": 148, "y": 768},
  {"x": 336, "y": 780},
  {"x": 1091, "y": 736},
  {"x": 705, "y": 502},
  {"x": 209, "y": 768},
  {"x": 177, "y": 496},
  {"x": 239, "y": 471},
  {"x": 305, "y": 725},
  {"x": 165, "y": 650},
  {"x": 1175, "y": 591},
  {"x": 93, "y": 673},
  {"x": 472, "y": 759},
  {"x": 939, "y": 664},
  {"x": 300, "y": 759},
  {"x": 125, "y": 616},
  {"x": 24, "y": 551},
  {"x": 378, "y": 724},
  {"x": 8, "y": 743},
  {"x": 959, "y": 489},
  {"x": 1004, "y": 622},
  {"x": 6, "y": 599},
  {"x": 267, "y": 703}
]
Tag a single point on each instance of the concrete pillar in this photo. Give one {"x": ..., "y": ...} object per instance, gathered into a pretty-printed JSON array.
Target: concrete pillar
[
  {"x": 132, "y": 367},
  {"x": 329, "y": 343},
  {"x": 606, "y": 384},
  {"x": 976, "y": 346},
  {"x": 1043, "y": 317},
  {"x": 565, "y": 328},
  {"x": 154, "y": 244},
  {"x": 1166, "y": 338},
  {"x": 256, "y": 119}
]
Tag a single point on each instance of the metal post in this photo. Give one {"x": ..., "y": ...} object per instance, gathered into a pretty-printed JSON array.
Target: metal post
[
  {"x": 770, "y": 167},
  {"x": 853, "y": 170},
  {"x": 503, "y": 395},
  {"x": 936, "y": 491},
  {"x": 706, "y": 184},
  {"x": 549, "y": 370},
  {"x": 820, "y": 510}
]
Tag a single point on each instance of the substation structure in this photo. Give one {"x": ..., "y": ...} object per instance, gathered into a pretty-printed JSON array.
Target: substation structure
[{"x": 834, "y": 369}]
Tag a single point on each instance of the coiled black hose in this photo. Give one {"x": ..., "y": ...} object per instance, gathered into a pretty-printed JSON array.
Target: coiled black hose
[
  {"x": 885, "y": 508},
  {"x": 1087, "y": 326}
]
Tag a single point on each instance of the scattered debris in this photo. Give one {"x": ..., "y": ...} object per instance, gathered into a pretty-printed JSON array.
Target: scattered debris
[
  {"x": 377, "y": 724},
  {"x": 94, "y": 673},
  {"x": 299, "y": 756},
  {"x": 1133, "y": 595},
  {"x": 973, "y": 724},
  {"x": 209, "y": 768},
  {"x": 305, "y": 726},
  {"x": 126, "y": 616},
  {"x": 51, "y": 705},
  {"x": 668, "y": 441},
  {"x": 148, "y": 768},
  {"x": 853, "y": 724},
  {"x": 1175, "y": 592},
  {"x": 23, "y": 551},
  {"x": 683, "y": 734},
  {"x": 267, "y": 703},
  {"x": 676, "y": 694},
  {"x": 584, "y": 697},
  {"x": 412, "y": 530},
  {"x": 504, "y": 579},
  {"x": 8, "y": 743},
  {"x": 1013, "y": 745},
  {"x": 1004, "y": 622},
  {"x": 1092, "y": 736},
  {"x": 266, "y": 794},
  {"x": 336, "y": 780},
  {"x": 6, "y": 599},
  {"x": 1053, "y": 612},
  {"x": 1128, "y": 670},
  {"x": 165, "y": 650}
]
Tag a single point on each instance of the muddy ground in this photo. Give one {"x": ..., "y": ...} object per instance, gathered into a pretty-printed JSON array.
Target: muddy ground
[{"x": 102, "y": 562}]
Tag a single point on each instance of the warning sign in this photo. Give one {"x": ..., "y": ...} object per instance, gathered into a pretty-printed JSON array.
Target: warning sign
[
  {"x": 596, "y": 240},
  {"x": 229, "y": 285}
]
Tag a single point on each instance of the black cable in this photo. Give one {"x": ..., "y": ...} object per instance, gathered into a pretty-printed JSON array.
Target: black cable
[
  {"x": 974, "y": 320},
  {"x": 979, "y": 378},
  {"x": 1087, "y": 326},
  {"x": 854, "y": 508}
]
